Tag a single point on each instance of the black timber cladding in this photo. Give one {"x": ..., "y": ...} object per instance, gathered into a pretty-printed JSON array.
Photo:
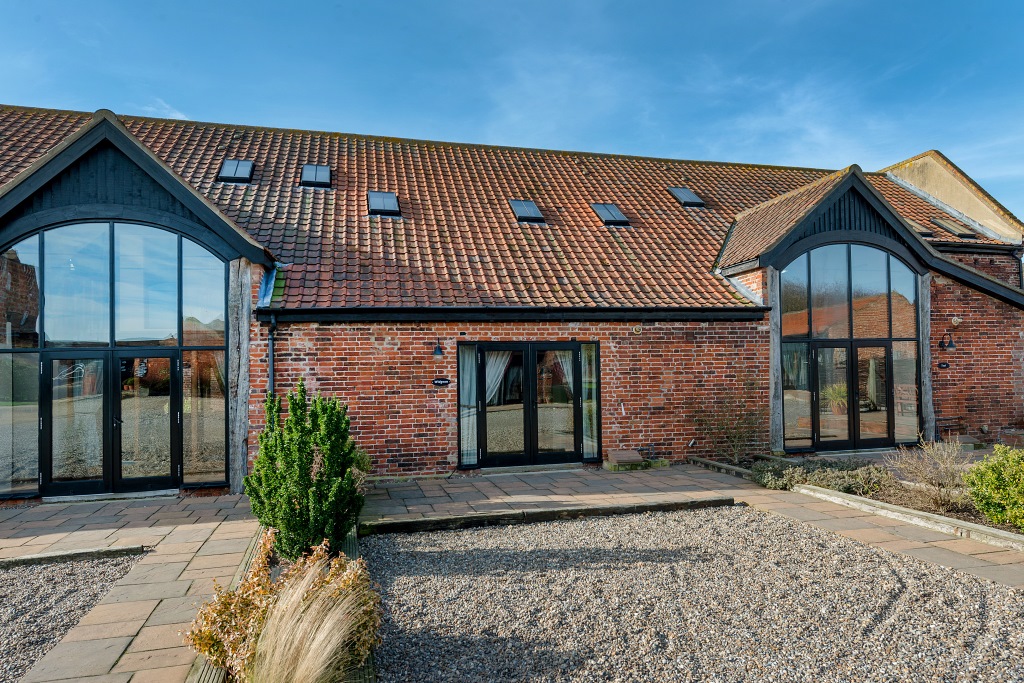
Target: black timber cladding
[{"x": 850, "y": 212}]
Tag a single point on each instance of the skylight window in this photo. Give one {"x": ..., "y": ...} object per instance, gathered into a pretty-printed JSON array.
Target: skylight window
[
  {"x": 526, "y": 211},
  {"x": 955, "y": 228},
  {"x": 686, "y": 197},
  {"x": 315, "y": 175},
  {"x": 610, "y": 214},
  {"x": 383, "y": 203},
  {"x": 235, "y": 171},
  {"x": 920, "y": 229}
]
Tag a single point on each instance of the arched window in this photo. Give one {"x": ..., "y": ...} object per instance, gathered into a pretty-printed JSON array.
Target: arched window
[
  {"x": 112, "y": 360},
  {"x": 849, "y": 348}
]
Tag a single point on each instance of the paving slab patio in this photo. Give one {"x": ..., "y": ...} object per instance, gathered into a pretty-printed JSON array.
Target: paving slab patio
[
  {"x": 476, "y": 494},
  {"x": 134, "y": 633}
]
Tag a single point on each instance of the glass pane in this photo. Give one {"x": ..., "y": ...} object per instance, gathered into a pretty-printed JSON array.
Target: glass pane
[
  {"x": 145, "y": 417},
  {"x": 796, "y": 395},
  {"x": 872, "y": 393},
  {"x": 588, "y": 387},
  {"x": 77, "y": 425},
  {"x": 870, "y": 280},
  {"x": 19, "y": 422},
  {"x": 830, "y": 313},
  {"x": 77, "y": 276},
  {"x": 505, "y": 430},
  {"x": 833, "y": 395},
  {"x": 145, "y": 286},
  {"x": 556, "y": 418},
  {"x": 904, "y": 300},
  {"x": 202, "y": 294},
  {"x": 904, "y": 372},
  {"x": 467, "y": 405},
  {"x": 19, "y": 295},
  {"x": 794, "y": 298},
  {"x": 204, "y": 416}
]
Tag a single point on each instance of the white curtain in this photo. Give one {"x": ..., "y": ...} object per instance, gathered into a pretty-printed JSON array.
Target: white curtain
[
  {"x": 589, "y": 395},
  {"x": 467, "y": 404},
  {"x": 564, "y": 358},
  {"x": 497, "y": 361}
]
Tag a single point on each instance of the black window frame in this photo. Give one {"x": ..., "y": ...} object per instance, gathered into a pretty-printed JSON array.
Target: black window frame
[
  {"x": 313, "y": 175},
  {"x": 383, "y": 203},
  {"x": 610, "y": 213},
  {"x": 526, "y": 211},
  {"x": 236, "y": 171},
  {"x": 687, "y": 197}
]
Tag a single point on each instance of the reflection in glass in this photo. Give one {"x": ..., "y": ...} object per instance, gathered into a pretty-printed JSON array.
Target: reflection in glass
[
  {"x": 873, "y": 393},
  {"x": 796, "y": 396},
  {"x": 556, "y": 426},
  {"x": 467, "y": 405},
  {"x": 77, "y": 422},
  {"x": 833, "y": 395},
  {"x": 870, "y": 280},
  {"x": 145, "y": 286},
  {"x": 904, "y": 299},
  {"x": 904, "y": 374},
  {"x": 794, "y": 298},
  {"x": 202, "y": 296},
  {"x": 19, "y": 295},
  {"x": 830, "y": 292},
  {"x": 588, "y": 386},
  {"x": 145, "y": 425},
  {"x": 204, "y": 421},
  {"x": 77, "y": 276},
  {"x": 19, "y": 416},
  {"x": 504, "y": 389}
]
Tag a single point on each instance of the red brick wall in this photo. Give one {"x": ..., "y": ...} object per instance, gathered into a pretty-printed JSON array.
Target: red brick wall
[
  {"x": 1005, "y": 267},
  {"x": 754, "y": 280},
  {"x": 985, "y": 381},
  {"x": 654, "y": 382}
]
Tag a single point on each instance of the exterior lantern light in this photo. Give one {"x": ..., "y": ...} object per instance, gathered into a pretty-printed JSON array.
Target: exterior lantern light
[
  {"x": 438, "y": 349},
  {"x": 945, "y": 345}
]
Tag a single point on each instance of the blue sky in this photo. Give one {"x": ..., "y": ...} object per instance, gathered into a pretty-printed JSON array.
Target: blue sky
[{"x": 822, "y": 84}]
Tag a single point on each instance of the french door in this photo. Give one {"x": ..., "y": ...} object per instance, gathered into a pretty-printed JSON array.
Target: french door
[
  {"x": 109, "y": 421},
  {"x": 530, "y": 403},
  {"x": 852, "y": 395}
]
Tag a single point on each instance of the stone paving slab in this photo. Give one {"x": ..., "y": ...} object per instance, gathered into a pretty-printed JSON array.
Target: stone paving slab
[{"x": 134, "y": 633}]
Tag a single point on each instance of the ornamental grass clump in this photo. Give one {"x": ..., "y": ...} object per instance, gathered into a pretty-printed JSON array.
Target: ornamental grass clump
[
  {"x": 936, "y": 468},
  {"x": 305, "y": 480},
  {"x": 231, "y": 629},
  {"x": 996, "y": 485}
]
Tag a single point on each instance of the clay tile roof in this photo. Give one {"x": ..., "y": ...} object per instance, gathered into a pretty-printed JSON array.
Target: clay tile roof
[{"x": 457, "y": 242}]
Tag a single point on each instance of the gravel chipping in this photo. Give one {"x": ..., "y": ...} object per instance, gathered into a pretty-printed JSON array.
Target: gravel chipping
[
  {"x": 40, "y": 603},
  {"x": 725, "y": 594}
]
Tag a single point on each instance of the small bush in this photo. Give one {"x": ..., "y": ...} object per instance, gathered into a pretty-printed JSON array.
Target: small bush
[
  {"x": 857, "y": 477},
  {"x": 305, "y": 481},
  {"x": 996, "y": 486},
  {"x": 228, "y": 628},
  {"x": 937, "y": 468},
  {"x": 735, "y": 419}
]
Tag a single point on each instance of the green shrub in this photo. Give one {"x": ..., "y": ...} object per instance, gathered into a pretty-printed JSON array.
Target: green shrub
[
  {"x": 996, "y": 486},
  {"x": 305, "y": 481},
  {"x": 857, "y": 477}
]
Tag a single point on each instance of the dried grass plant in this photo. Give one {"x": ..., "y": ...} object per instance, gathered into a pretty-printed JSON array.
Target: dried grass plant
[{"x": 937, "y": 468}]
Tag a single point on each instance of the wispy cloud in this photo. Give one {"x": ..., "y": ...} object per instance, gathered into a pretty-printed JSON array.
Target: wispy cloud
[{"x": 160, "y": 109}]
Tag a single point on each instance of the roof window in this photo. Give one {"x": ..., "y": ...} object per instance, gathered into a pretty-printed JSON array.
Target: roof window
[
  {"x": 235, "y": 171},
  {"x": 960, "y": 231},
  {"x": 920, "y": 229},
  {"x": 526, "y": 211},
  {"x": 315, "y": 175},
  {"x": 686, "y": 197},
  {"x": 383, "y": 203},
  {"x": 610, "y": 214}
]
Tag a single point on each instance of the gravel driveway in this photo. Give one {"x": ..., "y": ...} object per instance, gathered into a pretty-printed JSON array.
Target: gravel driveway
[
  {"x": 40, "y": 603},
  {"x": 723, "y": 594}
]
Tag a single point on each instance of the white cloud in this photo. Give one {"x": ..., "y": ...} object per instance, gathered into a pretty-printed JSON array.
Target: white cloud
[{"x": 158, "y": 108}]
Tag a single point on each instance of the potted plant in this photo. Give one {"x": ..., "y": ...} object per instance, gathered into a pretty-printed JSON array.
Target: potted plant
[{"x": 835, "y": 395}]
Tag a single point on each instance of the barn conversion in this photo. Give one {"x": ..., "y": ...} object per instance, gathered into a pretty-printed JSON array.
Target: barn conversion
[{"x": 476, "y": 306}]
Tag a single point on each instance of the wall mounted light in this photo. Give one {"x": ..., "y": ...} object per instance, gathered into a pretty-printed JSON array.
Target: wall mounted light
[
  {"x": 947, "y": 345},
  {"x": 438, "y": 349}
]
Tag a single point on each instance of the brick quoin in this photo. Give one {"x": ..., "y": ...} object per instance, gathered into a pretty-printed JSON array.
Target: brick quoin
[{"x": 653, "y": 383}]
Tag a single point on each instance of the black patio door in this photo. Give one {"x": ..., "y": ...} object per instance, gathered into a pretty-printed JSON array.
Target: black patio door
[
  {"x": 852, "y": 395},
  {"x": 109, "y": 421},
  {"x": 530, "y": 404}
]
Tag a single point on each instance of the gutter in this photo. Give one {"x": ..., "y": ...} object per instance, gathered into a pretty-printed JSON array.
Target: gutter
[{"x": 510, "y": 314}]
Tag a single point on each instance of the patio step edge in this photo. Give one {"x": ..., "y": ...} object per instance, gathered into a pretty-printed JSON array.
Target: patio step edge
[
  {"x": 480, "y": 519},
  {"x": 68, "y": 555},
  {"x": 947, "y": 525}
]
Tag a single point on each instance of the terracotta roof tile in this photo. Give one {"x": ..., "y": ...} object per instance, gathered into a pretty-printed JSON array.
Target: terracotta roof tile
[{"x": 457, "y": 243}]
